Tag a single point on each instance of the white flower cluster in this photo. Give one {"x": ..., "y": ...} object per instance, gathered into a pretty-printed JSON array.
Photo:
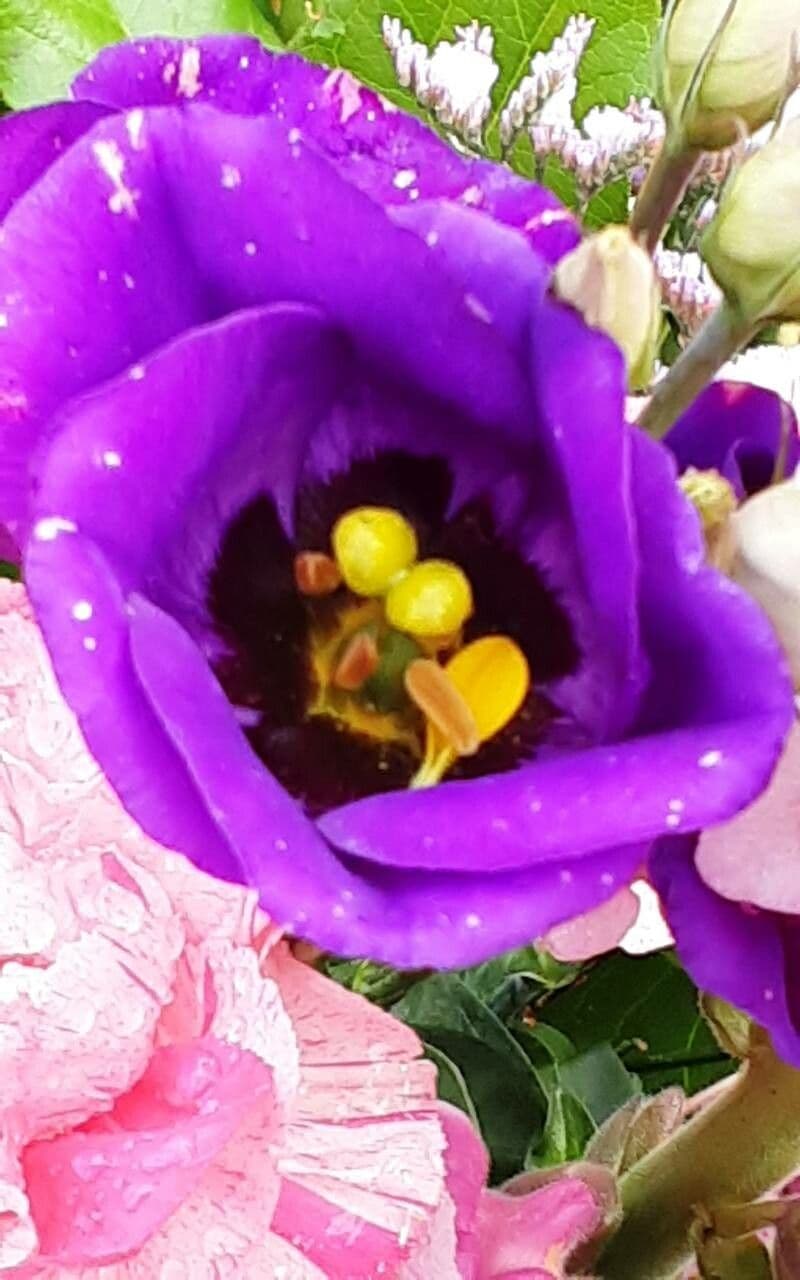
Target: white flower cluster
[
  {"x": 687, "y": 287},
  {"x": 552, "y": 82},
  {"x": 610, "y": 143},
  {"x": 455, "y": 81}
]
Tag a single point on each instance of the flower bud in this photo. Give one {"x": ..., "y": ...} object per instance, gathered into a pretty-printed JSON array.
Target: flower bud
[
  {"x": 753, "y": 245},
  {"x": 612, "y": 282},
  {"x": 767, "y": 561},
  {"x": 748, "y": 71}
]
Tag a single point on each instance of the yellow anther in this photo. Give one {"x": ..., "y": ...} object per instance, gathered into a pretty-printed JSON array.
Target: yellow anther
[
  {"x": 492, "y": 677},
  {"x": 372, "y": 545},
  {"x": 433, "y": 599}
]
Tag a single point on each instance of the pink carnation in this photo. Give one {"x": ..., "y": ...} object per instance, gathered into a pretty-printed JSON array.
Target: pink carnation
[{"x": 179, "y": 1097}]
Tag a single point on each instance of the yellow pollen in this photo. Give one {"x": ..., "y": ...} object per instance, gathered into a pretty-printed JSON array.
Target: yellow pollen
[
  {"x": 433, "y": 599},
  {"x": 492, "y": 677},
  {"x": 372, "y": 546}
]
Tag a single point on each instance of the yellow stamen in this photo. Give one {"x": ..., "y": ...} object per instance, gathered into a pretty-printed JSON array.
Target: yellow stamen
[
  {"x": 433, "y": 599},
  {"x": 443, "y": 705},
  {"x": 372, "y": 545},
  {"x": 493, "y": 677}
]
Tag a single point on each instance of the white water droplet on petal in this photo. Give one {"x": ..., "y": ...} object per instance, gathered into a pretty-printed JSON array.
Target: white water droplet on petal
[
  {"x": 404, "y": 178},
  {"x": 82, "y": 610},
  {"x": 710, "y": 759},
  {"x": 50, "y": 527}
]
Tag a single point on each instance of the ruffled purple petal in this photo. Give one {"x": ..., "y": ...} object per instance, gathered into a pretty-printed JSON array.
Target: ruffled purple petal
[
  {"x": 232, "y": 217},
  {"x": 247, "y": 392},
  {"x": 746, "y": 956},
  {"x": 84, "y": 616},
  {"x": 30, "y": 141},
  {"x": 387, "y": 154},
  {"x": 740, "y": 431}
]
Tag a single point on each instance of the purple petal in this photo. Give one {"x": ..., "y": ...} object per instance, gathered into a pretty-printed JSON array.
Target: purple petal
[
  {"x": 83, "y": 614},
  {"x": 30, "y": 141},
  {"x": 246, "y": 407},
  {"x": 740, "y": 431},
  {"x": 731, "y": 950},
  {"x": 233, "y": 220},
  {"x": 389, "y": 155}
]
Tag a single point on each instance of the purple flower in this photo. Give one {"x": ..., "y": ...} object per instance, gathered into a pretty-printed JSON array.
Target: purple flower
[
  {"x": 261, "y": 299},
  {"x": 731, "y": 895}
]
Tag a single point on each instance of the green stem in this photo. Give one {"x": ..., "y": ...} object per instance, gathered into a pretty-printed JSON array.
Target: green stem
[
  {"x": 740, "y": 1147},
  {"x": 667, "y": 180},
  {"x": 723, "y": 334}
]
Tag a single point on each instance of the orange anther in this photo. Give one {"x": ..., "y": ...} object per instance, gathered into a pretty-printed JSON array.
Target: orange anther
[
  {"x": 316, "y": 574},
  {"x": 431, "y": 689},
  {"x": 359, "y": 661}
]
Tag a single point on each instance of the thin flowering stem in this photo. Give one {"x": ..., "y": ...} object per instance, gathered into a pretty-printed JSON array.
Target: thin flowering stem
[
  {"x": 738, "y": 1148},
  {"x": 724, "y": 334},
  {"x": 663, "y": 190}
]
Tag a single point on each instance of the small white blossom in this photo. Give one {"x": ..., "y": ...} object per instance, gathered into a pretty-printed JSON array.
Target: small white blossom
[
  {"x": 548, "y": 91},
  {"x": 455, "y": 81},
  {"x": 687, "y": 287},
  {"x": 774, "y": 367}
]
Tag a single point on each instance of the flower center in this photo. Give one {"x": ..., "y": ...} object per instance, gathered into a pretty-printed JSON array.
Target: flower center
[{"x": 392, "y": 664}]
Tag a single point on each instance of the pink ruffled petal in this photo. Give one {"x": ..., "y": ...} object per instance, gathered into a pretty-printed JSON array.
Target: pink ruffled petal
[
  {"x": 99, "y": 1194},
  {"x": 540, "y": 1230},
  {"x": 596, "y": 931},
  {"x": 129, "y": 980},
  {"x": 755, "y": 858}
]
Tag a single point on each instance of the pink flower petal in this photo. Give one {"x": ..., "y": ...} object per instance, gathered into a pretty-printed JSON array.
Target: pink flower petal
[
  {"x": 756, "y": 857},
  {"x": 596, "y": 931},
  {"x": 100, "y": 1193},
  {"x": 541, "y": 1229}
]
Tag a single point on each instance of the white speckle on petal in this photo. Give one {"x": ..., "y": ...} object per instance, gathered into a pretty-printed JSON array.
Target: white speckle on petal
[
  {"x": 432, "y": 239},
  {"x": 244, "y": 62},
  {"x": 231, "y": 177},
  {"x": 769, "y": 994},
  {"x": 473, "y": 921},
  {"x": 89, "y": 644},
  {"x": 49, "y": 527},
  {"x": 136, "y": 372},
  {"x": 133, "y": 123},
  {"x": 607, "y": 879},
  {"x": 404, "y": 178},
  {"x": 280, "y": 845},
  {"x": 112, "y": 163},
  {"x": 337, "y": 911},
  {"x": 676, "y": 806},
  {"x": 535, "y": 806},
  {"x": 251, "y": 248},
  {"x": 189, "y": 84},
  {"x": 82, "y": 610},
  {"x": 501, "y": 825},
  {"x": 3, "y": 320},
  {"x": 472, "y": 196},
  {"x": 111, "y": 458},
  {"x": 565, "y": 876},
  {"x": 294, "y": 136},
  {"x": 477, "y": 308},
  {"x": 673, "y": 820},
  {"x": 128, "y": 280},
  {"x": 168, "y": 74},
  {"x": 710, "y": 759}
]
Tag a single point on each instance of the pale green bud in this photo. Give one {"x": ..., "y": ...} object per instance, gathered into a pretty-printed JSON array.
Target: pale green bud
[
  {"x": 611, "y": 280},
  {"x": 753, "y": 245},
  {"x": 747, "y": 74}
]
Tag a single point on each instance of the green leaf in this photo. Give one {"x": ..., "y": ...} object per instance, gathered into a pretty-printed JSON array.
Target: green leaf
[
  {"x": 647, "y": 1007},
  {"x": 566, "y": 1133},
  {"x": 45, "y": 43},
  {"x": 451, "y": 1085},
  {"x": 496, "y": 1072},
  {"x": 616, "y": 64}
]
